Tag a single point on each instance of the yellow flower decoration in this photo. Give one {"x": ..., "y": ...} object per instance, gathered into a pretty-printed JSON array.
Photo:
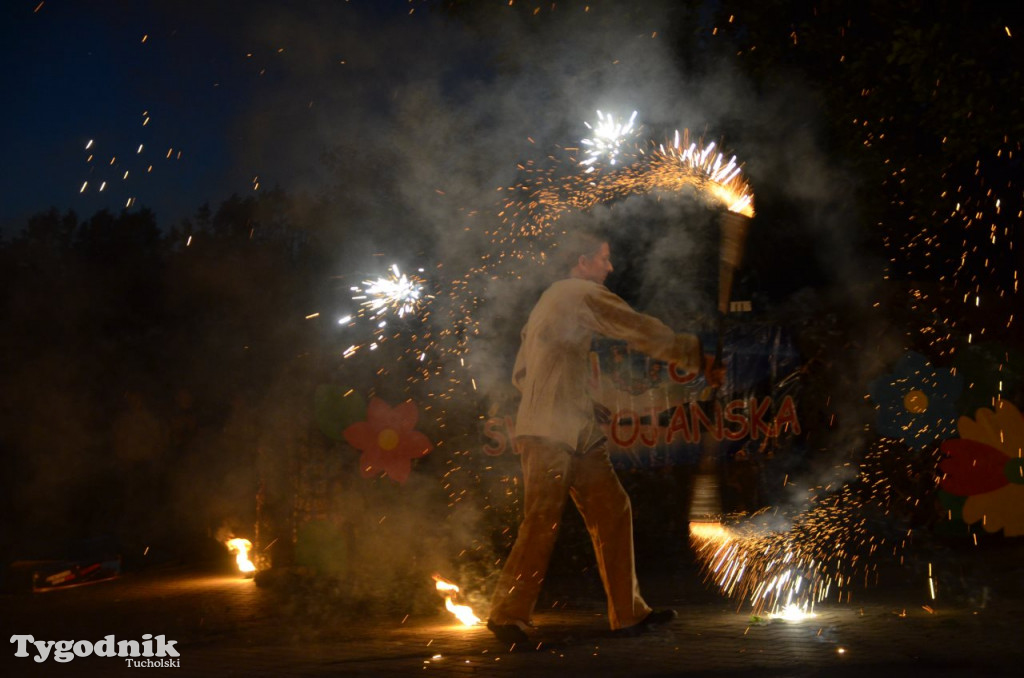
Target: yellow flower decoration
[{"x": 992, "y": 440}]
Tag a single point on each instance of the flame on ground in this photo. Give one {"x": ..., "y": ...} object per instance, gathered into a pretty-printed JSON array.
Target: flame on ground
[
  {"x": 241, "y": 548},
  {"x": 462, "y": 612}
]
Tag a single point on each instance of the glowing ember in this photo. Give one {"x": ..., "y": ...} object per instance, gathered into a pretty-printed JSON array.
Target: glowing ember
[
  {"x": 706, "y": 530},
  {"x": 462, "y": 612},
  {"x": 241, "y": 548}
]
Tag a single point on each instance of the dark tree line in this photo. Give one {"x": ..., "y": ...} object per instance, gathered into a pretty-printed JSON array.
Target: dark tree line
[{"x": 134, "y": 361}]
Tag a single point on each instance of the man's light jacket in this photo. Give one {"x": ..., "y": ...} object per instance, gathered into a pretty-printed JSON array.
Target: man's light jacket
[{"x": 551, "y": 369}]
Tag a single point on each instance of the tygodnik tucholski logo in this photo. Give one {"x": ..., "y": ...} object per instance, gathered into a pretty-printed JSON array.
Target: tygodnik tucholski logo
[{"x": 152, "y": 651}]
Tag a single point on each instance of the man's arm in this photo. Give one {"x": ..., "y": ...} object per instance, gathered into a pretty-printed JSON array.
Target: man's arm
[{"x": 608, "y": 314}]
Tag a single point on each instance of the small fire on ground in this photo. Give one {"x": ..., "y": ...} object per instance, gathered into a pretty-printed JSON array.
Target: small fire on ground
[
  {"x": 462, "y": 612},
  {"x": 241, "y": 547}
]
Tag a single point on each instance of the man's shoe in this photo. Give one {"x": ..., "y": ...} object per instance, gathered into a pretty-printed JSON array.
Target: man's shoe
[
  {"x": 513, "y": 634},
  {"x": 653, "y": 620}
]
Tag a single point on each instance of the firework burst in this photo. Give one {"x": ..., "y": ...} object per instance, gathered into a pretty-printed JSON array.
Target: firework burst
[
  {"x": 673, "y": 166},
  {"x": 395, "y": 293},
  {"x": 608, "y": 139},
  {"x": 683, "y": 162}
]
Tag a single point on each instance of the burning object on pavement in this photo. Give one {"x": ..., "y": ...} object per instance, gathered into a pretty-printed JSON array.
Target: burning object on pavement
[
  {"x": 463, "y": 612},
  {"x": 241, "y": 547},
  {"x": 48, "y": 575}
]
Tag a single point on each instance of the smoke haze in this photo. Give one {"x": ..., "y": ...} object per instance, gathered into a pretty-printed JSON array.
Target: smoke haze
[{"x": 398, "y": 138}]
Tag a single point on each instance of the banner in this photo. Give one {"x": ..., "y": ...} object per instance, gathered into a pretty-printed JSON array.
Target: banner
[
  {"x": 655, "y": 414},
  {"x": 660, "y": 415}
]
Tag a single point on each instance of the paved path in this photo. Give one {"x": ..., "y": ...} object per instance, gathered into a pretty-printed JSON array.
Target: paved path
[{"x": 225, "y": 625}]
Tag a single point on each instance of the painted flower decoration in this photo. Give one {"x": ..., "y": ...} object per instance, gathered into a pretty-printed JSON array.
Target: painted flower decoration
[
  {"x": 986, "y": 464},
  {"x": 916, "y": 401},
  {"x": 388, "y": 439}
]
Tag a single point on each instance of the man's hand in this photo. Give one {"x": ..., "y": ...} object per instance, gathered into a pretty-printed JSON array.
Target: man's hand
[{"x": 714, "y": 374}]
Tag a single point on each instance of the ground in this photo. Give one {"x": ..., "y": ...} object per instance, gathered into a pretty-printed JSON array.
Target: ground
[{"x": 226, "y": 625}]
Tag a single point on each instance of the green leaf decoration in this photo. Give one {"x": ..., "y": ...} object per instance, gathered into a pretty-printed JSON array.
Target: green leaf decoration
[
  {"x": 990, "y": 369},
  {"x": 337, "y": 407}
]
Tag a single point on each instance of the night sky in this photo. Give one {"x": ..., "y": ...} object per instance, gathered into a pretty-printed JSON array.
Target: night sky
[
  {"x": 413, "y": 99},
  {"x": 95, "y": 72},
  {"x": 223, "y": 97}
]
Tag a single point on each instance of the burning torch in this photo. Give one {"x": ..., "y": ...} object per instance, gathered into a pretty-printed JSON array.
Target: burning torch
[
  {"x": 730, "y": 253},
  {"x": 707, "y": 499}
]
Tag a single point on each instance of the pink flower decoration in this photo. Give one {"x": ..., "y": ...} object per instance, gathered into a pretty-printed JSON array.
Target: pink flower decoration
[{"x": 388, "y": 439}]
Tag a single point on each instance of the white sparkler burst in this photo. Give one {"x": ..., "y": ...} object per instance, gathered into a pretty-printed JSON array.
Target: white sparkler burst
[
  {"x": 608, "y": 139},
  {"x": 794, "y": 613},
  {"x": 397, "y": 293}
]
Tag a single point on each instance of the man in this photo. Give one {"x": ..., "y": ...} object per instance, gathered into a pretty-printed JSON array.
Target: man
[{"x": 563, "y": 450}]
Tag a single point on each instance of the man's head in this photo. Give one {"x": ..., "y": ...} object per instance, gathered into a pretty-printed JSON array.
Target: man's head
[{"x": 587, "y": 256}]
